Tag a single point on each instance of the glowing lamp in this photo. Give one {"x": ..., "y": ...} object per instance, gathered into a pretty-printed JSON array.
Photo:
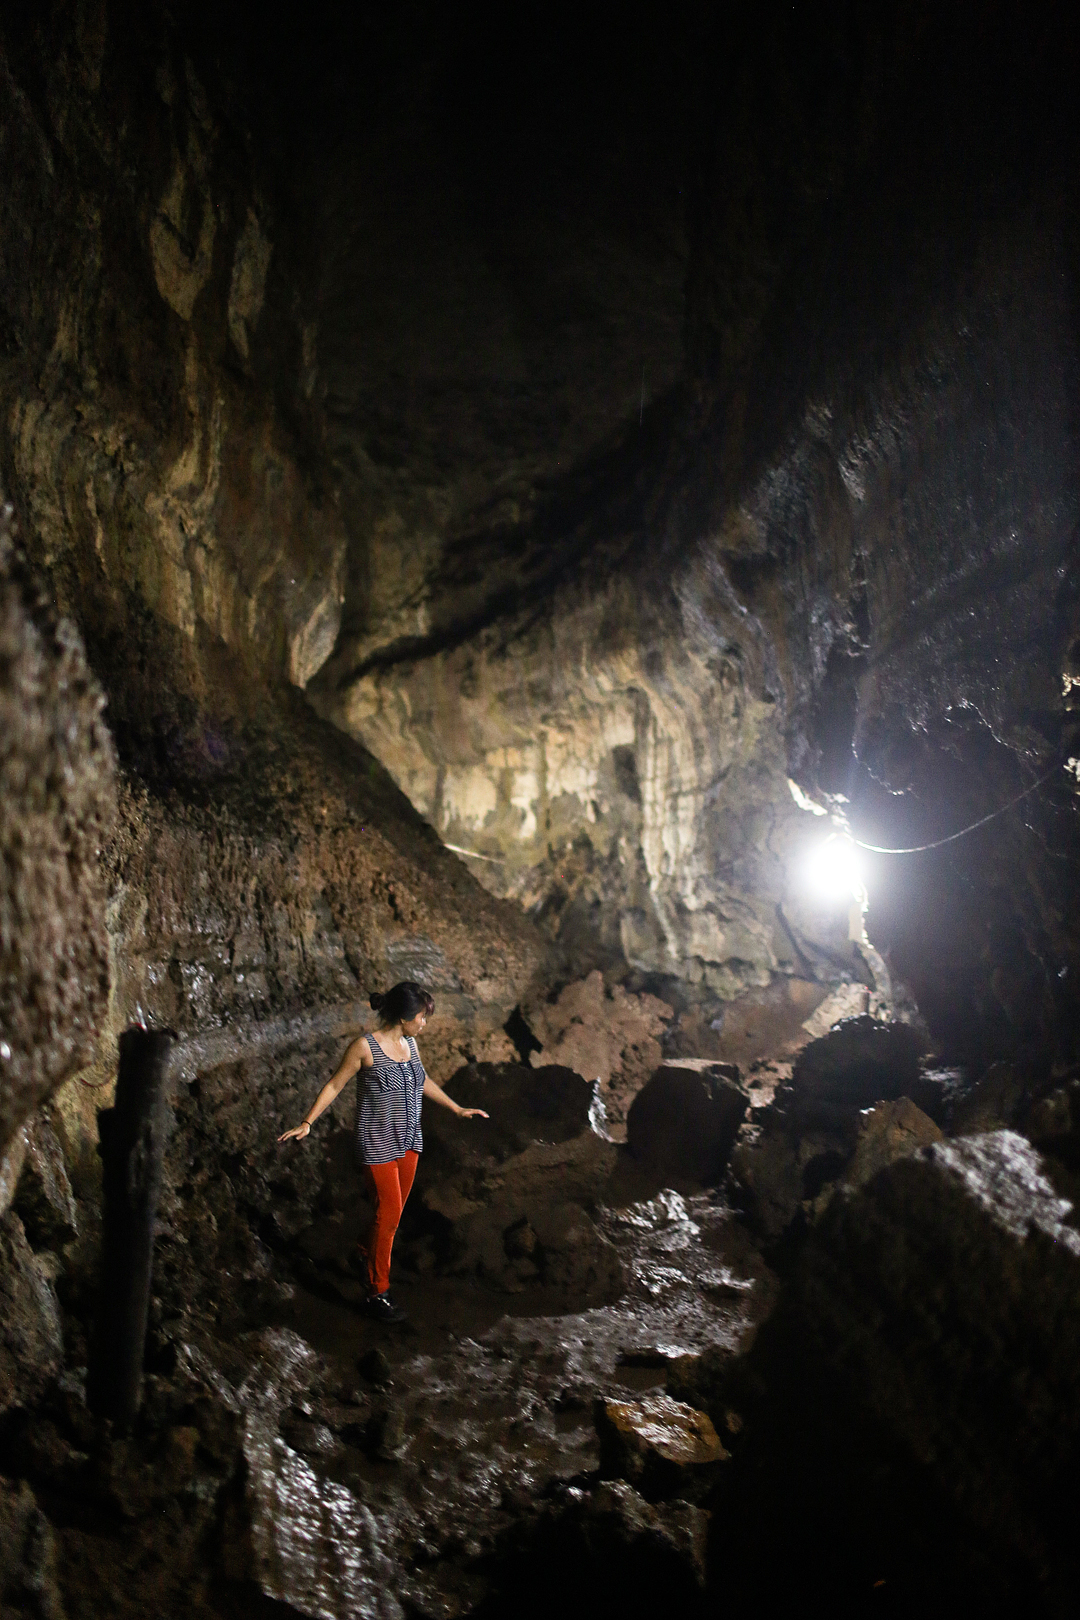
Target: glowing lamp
[{"x": 834, "y": 869}]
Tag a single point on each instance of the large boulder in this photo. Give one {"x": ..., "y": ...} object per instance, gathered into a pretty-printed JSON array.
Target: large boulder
[
  {"x": 917, "y": 1412},
  {"x": 847, "y": 1111},
  {"x": 612, "y": 1036},
  {"x": 887, "y": 1132},
  {"x": 1000, "y": 1097},
  {"x": 860, "y": 1062},
  {"x": 526, "y": 1105},
  {"x": 603, "y": 1552},
  {"x": 684, "y": 1122},
  {"x": 507, "y": 1199}
]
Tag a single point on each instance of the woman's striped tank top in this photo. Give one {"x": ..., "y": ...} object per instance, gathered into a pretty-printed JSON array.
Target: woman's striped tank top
[{"x": 388, "y": 1111}]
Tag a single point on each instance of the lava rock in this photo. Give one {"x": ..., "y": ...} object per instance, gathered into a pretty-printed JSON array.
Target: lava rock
[
  {"x": 28, "y": 1585},
  {"x": 507, "y": 1203},
  {"x": 890, "y": 1131},
  {"x": 659, "y": 1445},
  {"x": 605, "y": 1552},
  {"x": 937, "y": 1092},
  {"x": 767, "y": 1175},
  {"x": 919, "y": 1387},
  {"x": 860, "y": 1062},
  {"x": 31, "y": 1343},
  {"x": 617, "y": 1509},
  {"x": 312, "y": 1440},
  {"x": 713, "y": 1382},
  {"x": 385, "y": 1437},
  {"x": 517, "y": 1242},
  {"x": 44, "y": 1200},
  {"x": 375, "y": 1366},
  {"x": 998, "y": 1098},
  {"x": 685, "y": 1120},
  {"x": 843, "y": 1102},
  {"x": 11, "y": 1163},
  {"x": 571, "y": 1253},
  {"x": 526, "y": 1106},
  {"x": 57, "y": 809},
  {"x": 1053, "y": 1124},
  {"x": 607, "y": 1032}
]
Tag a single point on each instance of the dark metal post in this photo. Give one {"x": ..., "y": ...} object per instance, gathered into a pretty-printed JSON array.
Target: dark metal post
[{"x": 132, "y": 1137}]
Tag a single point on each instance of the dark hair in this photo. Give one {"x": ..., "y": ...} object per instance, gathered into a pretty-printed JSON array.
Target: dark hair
[{"x": 403, "y": 1002}]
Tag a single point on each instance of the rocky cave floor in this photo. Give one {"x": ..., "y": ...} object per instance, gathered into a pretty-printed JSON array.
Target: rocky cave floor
[{"x": 617, "y": 1387}]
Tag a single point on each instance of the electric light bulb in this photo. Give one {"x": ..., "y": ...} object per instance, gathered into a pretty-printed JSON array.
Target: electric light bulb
[{"x": 834, "y": 868}]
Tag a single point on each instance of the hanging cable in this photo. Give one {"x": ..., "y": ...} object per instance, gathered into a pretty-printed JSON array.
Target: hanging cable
[
  {"x": 496, "y": 860},
  {"x": 918, "y": 849}
]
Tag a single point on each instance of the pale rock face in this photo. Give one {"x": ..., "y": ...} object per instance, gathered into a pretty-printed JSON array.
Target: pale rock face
[
  {"x": 182, "y": 269},
  {"x": 616, "y": 752},
  {"x": 218, "y": 536},
  {"x": 183, "y": 229}
]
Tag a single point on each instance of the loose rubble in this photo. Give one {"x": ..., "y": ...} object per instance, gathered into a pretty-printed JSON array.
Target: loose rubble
[{"x": 661, "y": 1446}]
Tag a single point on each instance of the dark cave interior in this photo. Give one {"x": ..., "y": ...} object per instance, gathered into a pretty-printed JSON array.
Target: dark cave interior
[{"x": 502, "y": 499}]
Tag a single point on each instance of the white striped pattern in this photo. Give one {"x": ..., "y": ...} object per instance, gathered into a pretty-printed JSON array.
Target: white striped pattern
[{"x": 388, "y": 1110}]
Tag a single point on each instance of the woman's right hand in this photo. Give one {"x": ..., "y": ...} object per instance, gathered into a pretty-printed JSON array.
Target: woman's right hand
[{"x": 299, "y": 1131}]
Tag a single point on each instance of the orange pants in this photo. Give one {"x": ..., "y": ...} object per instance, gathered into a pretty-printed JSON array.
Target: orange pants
[{"x": 390, "y": 1184}]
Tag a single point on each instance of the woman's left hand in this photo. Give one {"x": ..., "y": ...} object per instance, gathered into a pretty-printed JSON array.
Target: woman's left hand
[{"x": 472, "y": 1113}]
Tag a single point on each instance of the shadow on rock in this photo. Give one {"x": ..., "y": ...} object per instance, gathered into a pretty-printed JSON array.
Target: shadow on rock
[
  {"x": 684, "y": 1122},
  {"x": 913, "y": 1406}
]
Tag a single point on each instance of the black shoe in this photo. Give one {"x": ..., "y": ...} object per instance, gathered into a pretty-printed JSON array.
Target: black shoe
[{"x": 383, "y": 1309}]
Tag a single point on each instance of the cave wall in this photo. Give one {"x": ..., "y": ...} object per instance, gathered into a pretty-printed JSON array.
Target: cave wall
[
  {"x": 57, "y": 809},
  {"x": 904, "y": 415},
  {"x": 160, "y": 448},
  {"x": 841, "y": 549},
  {"x": 150, "y": 346},
  {"x": 555, "y": 673}
]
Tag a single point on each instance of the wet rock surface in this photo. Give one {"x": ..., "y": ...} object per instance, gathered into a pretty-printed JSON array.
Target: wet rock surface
[
  {"x": 522, "y": 1393},
  {"x": 620, "y": 1440},
  {"x": 350, "y": 1471},
  {"x": 288, "y": 1449},
  {"x": 662, "y": 1446}
]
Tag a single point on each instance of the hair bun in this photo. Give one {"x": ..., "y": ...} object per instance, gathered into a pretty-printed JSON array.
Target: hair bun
[{"x": 377, "y": 1000}]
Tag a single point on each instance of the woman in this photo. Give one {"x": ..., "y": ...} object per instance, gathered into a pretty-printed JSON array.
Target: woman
[{"x": 388, "y": 1139}]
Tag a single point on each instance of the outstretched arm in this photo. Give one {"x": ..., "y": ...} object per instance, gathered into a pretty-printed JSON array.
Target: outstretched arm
[
  {"x": 437, "y": 1094},
  {"x": 358, "y": 1056}
]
